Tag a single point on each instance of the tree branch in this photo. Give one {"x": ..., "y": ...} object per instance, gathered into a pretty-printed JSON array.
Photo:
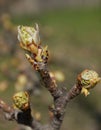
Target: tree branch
[
  {"x": 38, "y": 58},
  {"x": 21, "y": 117},
  {"x": 30, "y": 41},
  {"x": 60, "y": 96}
]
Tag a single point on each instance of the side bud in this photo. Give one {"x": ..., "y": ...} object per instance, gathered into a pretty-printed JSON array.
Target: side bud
[
  {"x": 88, "y": 80},
  {"x": 21, "y": 101}
]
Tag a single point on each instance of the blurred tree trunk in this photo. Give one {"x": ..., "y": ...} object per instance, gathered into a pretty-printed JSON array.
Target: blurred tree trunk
[{"x": 5, "y": 5}]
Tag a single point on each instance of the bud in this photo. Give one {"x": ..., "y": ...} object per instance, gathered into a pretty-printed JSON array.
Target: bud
[
  {"x": 88, "y": 80},
  {"x": 29, "y": 38},
  {"x": 30, "y": 41},
  {"x": 21, "y": 100}
]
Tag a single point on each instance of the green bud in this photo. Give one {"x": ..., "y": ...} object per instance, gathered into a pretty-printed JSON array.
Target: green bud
[{"x": 21, "y": 100}]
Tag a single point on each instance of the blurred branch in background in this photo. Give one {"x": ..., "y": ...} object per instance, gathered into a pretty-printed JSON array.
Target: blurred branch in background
[{"x": 38, "y": 6}]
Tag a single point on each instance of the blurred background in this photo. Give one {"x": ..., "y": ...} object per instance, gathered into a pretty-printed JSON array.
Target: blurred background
[{"x": 72, "y": 30}]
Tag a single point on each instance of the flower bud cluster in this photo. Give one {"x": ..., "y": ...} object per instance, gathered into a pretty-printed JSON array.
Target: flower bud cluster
[{"x": 30, "y": 40}]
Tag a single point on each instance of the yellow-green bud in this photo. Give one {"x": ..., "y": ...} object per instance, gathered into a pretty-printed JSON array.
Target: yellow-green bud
[
  {"x": 29, "y": 37},
  {"x": 88, "y": 79},
  {"x": 21, "y": 100}
]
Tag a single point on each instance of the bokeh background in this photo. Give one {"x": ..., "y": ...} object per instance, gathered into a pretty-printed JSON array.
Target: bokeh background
[{"x": 72, "y": 30}]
